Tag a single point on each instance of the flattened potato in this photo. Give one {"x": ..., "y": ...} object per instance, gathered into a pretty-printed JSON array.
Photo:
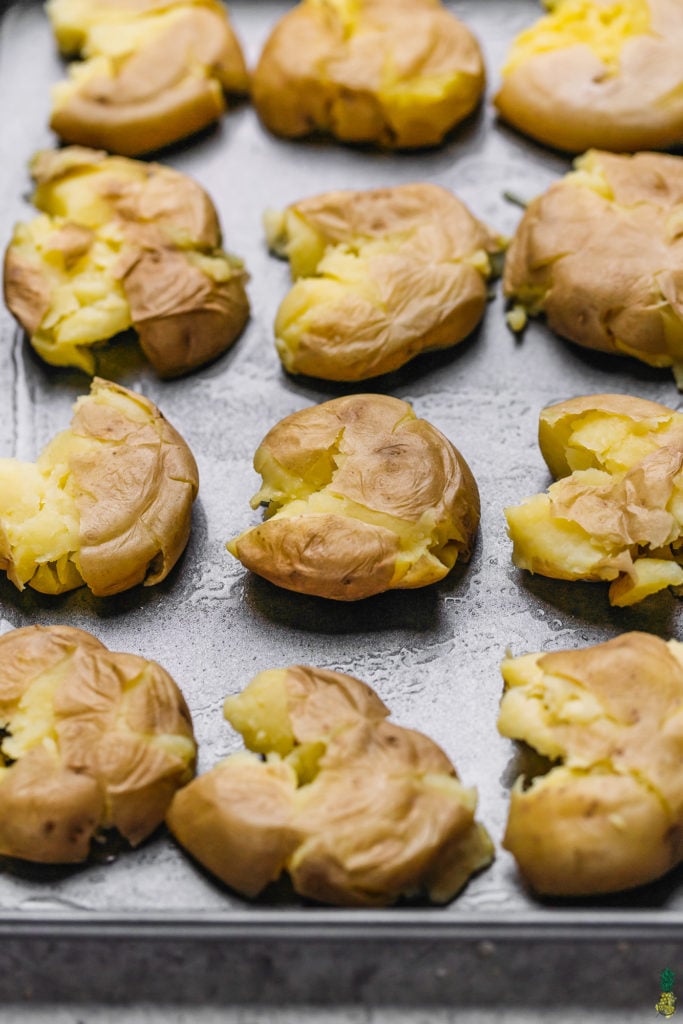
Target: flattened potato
[
  {"x": 154, "y": 71},
  {"x": 108, "y": 503},
  {"x": 602, "y": 73},
  {"x": 122, "y": 243},
  {"x": 90, "y": 740},
  {"x": 362, "y": 497},
  {"x": 358, "y": 811},
  {"x": 617, "y": 512},
  {"x": 380, "y": 276},
  {"x": 609, "y": 816},
  {"x": 600, "y": 254},
  {"x": 400, "y": 73}
]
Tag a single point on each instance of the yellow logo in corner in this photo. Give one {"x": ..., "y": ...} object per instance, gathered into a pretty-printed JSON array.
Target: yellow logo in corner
[{"x": 667, "y": 1000}]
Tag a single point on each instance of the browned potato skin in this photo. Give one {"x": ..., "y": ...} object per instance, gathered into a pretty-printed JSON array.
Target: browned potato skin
[
  {"x": 610, "y": 270},
  {"x": 183, "y": 317},
  {"x": 568, "y": 98},
  {"x": 618, "y": 822},
  {"x": 364, "y": 831},
  {"x": 311, "y": 78},
  {"x": 396, "y": 464},
  {"x": 154, "y": 100},
  {"x": 102, "y": 772}
]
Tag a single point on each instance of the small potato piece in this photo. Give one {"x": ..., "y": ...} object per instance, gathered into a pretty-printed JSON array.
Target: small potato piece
[
  {"x": 108, "y": 503},
  {"x": 400, "y": 73},
  {"x": 380, "y": 276},
  {"x": 617, "y": 512},
  {"x": 358, "y": 811},
  {"x": 122, "y": 243},
  {"x": 362, "y": 497},
  {"x": 154, "y": 71},
  {"x": 609, "y": 816},
  {"x": 600, "y": 254},
  {"x": 602, "y": 73},
  {"x": 91, "y": 740}
]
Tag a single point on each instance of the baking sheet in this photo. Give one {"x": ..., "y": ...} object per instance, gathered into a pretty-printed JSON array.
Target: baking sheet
[{"x": 433, "y": 654}]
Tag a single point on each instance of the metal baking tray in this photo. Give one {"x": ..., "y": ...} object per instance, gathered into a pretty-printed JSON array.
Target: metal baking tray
[{"x": 432, "y": 654}]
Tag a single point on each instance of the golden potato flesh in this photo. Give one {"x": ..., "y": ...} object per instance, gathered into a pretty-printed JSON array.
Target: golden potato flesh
[
  {"x": 380, "y": 276},
  {"x": 602, "y": 73},
  {"x": 122, "y": 243},
  {"x": 617, "y": 512},
  {"x": 362, "y": 497},
  {"x": 90, "y": 741},
  {"x": 609, "y": 814},
  {"x": 600, "y": 254},
  {"x": 108, "y": 503},
  {"x": 357, "y": 810},
  {"x": 400, "y": 73},
  {"x": 153, "y": 71}
]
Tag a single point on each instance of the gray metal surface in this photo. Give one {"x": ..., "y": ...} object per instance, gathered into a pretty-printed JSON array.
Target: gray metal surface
[{"x": 433, "y": 654}]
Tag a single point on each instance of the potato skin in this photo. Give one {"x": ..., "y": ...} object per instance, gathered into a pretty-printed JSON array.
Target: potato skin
[
  {"x": 150, "y": 97},
  {"x": 98, "y": 766},
  {"x": 609, "y": 816},
  {"x": 418, "y": 499},
  {"x": 601, "y": 256},
  {"x": 324, "y": 68},
  {"x": 572, "y": 100},
  {"x": 379, "y": 814}
]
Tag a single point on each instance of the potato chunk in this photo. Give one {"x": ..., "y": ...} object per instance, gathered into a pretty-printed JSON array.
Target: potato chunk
[
  {"x": 154, "y": 71},
  {"x": 358, "y": 811},
  {"x": 108, "y": 502},
  {"x": 609, "y": 815},
  {"x": 122, "y": 243},
  {"x": 90, "y": 741},
  {"x": 400, "y": 73},
  {"x": 617, "y": 512},
  {"x": 362, "y": 497},
  {"x": 598, "y": 73},
  {"x": 380, "y": 276}
]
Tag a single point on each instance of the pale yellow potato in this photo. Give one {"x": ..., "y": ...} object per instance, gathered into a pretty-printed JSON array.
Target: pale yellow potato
[
  {"x": 600, "y": 255},
  {"x": 153, "y": 71},
  {"x": 90, "y": 741},
  {"x": 400, "y": 73},
  {"x": 380, "y": 276},
  {"x": 108, "y": 504},
  {"x": 609, "y": 814},
  {"x": 604, "y": 73},
  {"x": 121, "y": 243},
  {"x": 362, "y": 497},
  {"x": 357, "y": 811},
  {"x": 616, "y": 514}
]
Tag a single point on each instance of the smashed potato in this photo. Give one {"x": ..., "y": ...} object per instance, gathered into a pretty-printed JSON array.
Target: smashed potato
[
  {"x": 108, "y": 503},
  {"x": 122, "y": 243},
  {"x": 380, "y": 276},
  {"x": 609, "y": 816},
  {"x": 357, "y": 810},
  {"x": 602, "y": 73},
  {"x": 600, "y": 254},
  {"x": 400, "y": 73},
  {"x": 89, "y": 741},
  {"x": 153, "y": 71},
  {"x": 617, "y": 512},
  {"x": 361, "y": 497}
]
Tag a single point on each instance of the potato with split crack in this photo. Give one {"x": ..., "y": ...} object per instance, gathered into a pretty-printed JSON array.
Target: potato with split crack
[
  {"x": 91, "y": 741},
  {"x": 380, "y": 275},
  {"x": 398, "y": 73},
  {"x": 362, "y": 497},
  {"x": 121, "y": 243},
  {"x": 357, "y": 811},
  {"x": 108, "y": 504},
  {"x": 609, "y": 813}
]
